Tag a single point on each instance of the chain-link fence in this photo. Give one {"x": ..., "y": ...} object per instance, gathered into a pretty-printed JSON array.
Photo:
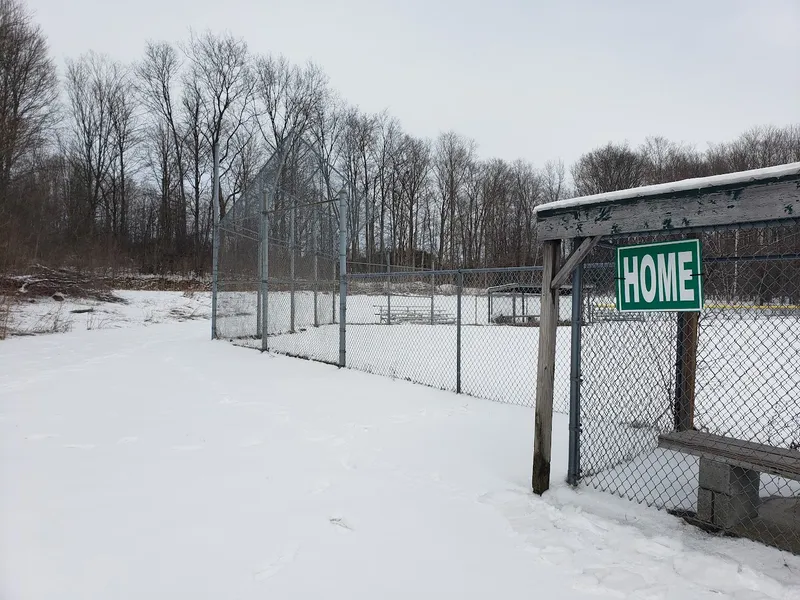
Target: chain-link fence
[
  {"x": 694, "y": 412},
  {"x": 699, "y": 413},
  {"x": 472, "y": 331},
  {"x": 277, "y": 266}
]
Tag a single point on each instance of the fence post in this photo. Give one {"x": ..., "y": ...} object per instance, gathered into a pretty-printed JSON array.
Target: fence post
[
  {"x": 292, "y": 252},
  {"x": 215, "y": 244},
  {"x": 258, "y": 291},
  {"x": 686, "y": 369},
  {"x": 388, "y": 287},
  {"x": 433, "y": 291},
  {"x": 459, "y": 285},
  {"x": 574, "y": 463},
  {"x": 545, "y": 373},
  {"x": 264, "y": 289},
  {"x": 314, "y": 233},
  {"x": 342, "y": 277}
]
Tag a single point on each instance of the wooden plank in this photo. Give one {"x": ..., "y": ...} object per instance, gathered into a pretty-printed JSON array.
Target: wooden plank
[
  {"x": 686, "y": 370},
  {"x": 693, "y": 208},
  {"x": 716, "y": 440},
  {"x": 545, "y": 372},
  {"x": 574, "y": 260},
  {"x": 740, "y": 453}
]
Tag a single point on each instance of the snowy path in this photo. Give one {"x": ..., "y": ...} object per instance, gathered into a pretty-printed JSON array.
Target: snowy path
[{"x": 151, "y": 463}]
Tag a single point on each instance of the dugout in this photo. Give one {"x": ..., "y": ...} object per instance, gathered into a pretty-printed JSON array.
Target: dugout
[{"x": 693, "y": 405}]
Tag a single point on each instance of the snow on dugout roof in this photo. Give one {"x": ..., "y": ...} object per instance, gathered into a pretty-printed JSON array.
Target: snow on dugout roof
[{"x": 675, "y": 187}]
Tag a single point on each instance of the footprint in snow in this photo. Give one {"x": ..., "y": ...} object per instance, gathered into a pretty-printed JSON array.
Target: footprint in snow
[
  {"x": 283, "y": 559},
  {"x": 339, "y": 522}
]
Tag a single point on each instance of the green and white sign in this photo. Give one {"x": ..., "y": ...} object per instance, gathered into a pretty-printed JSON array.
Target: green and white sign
[{"x": 660, "y": 277}]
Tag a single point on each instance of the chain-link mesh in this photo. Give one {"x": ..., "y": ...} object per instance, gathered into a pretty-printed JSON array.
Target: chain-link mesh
[
  {"x": 238, "y": 271},
  {"x": 405, "y": 324},
  {"x": 699, "y": 413},
  {"x": 500, "y": 344},
  {"x": 290, "y": 209}
]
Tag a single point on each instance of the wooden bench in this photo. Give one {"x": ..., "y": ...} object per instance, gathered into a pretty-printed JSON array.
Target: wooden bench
[
  {"x": 412, "y": 314},
  {"x": 606, "y": 313},
  {"x": 515, "y": 319},
  {"x": 730, "y": 473}
]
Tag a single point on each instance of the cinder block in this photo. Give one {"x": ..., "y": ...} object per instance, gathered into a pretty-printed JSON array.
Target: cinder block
[
  {"x": 722, "y": 478},
  {"x": 714, "y": 476},
  {"x": 729, "y": 511},
  {"x": 705, "y": 505}
]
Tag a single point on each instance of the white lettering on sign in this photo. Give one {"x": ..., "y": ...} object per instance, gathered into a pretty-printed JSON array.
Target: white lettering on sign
[
  {"x": 663, "y": 276},
  {"x": 684, "y": 276},
  {"x": 648, "y": 265},
  {"x": 631, "y": 279},
  {"x": 667, "y": 282}
]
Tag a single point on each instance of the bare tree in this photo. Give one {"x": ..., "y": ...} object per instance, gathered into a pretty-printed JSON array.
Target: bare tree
[
  {"x": 554, "y": 181},
  {"x": 357, "y": 140},
  {"x": 453, "y": 157},
  {"x": 220, "y": 72},
  {"x": 288, "y": 98},
  {"x": 156, "y": 78},
  {"x": 668, "y": 161},
  {"x": 124, "y": 124},
  {"x": 28, "y": 90},
  {"x": 412, "y": 164},
  {"x": 609, "y": 168},
  {"x": 91, "y": 87}
]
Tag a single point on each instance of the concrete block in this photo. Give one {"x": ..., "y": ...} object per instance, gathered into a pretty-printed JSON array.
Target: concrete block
[
  {"x": 705, "y": 505},
  {"x": 730, "y": 511},
  {"x": 722, "y": 478}
]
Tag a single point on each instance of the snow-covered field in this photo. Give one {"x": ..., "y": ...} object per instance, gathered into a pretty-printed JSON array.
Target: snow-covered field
[
  {"x": 45, "y": 315},
  {"x": 237, "y": 310},
  {"x": 149, "y": 462},
  {"x": 745, "y": 387}
]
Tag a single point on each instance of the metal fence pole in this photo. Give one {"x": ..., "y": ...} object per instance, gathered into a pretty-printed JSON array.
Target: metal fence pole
[
  {"x": 333, "y": 297},
  {"x": 215, "y": 245},
  {"x": 574, "y": 462},
  {"x": 314, "y": 232},
  {"x": 389, "y": 287},
  {"x": 264, "y": 288},
  {"x": 460, "y": 285},
  {"x": 433, "y": 292},
  {"x": 260, "y": 259},
  {"x": 333, "y": 269},
  {"x": 258, "y": 293},
  {"x": 292, "y": 252},
  {"x": 342, "y": 277}
]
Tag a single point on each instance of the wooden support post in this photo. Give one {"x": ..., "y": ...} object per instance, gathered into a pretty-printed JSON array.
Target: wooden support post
[
  {"x": 686, "y": 370},
  {"x": 545, "y": 373},
  {"x": 576, "y": 258}
]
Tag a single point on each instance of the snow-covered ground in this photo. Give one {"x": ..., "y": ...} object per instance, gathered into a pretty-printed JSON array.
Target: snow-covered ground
[
  {"x": 149, "y": 462},
  {"x": 45, "y": 315}
]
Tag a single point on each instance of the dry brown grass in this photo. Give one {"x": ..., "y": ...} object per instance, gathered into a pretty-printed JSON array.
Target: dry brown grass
[{"x": 6, "y": 302}]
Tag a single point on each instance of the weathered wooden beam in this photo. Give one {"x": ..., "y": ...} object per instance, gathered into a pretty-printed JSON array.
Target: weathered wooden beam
[
  {"x": 686, "y": 370},
  {"x": 573, "y": 261},
  {"x": 545, "y": 372},
  {"x": 711, "y": 207}
]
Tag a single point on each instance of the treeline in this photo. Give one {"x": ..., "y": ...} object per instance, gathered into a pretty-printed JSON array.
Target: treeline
[{"x": 108, "y": 165}]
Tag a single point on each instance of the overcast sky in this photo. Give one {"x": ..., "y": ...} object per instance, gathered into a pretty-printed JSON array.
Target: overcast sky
[{"x": 525, "y": 78}]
